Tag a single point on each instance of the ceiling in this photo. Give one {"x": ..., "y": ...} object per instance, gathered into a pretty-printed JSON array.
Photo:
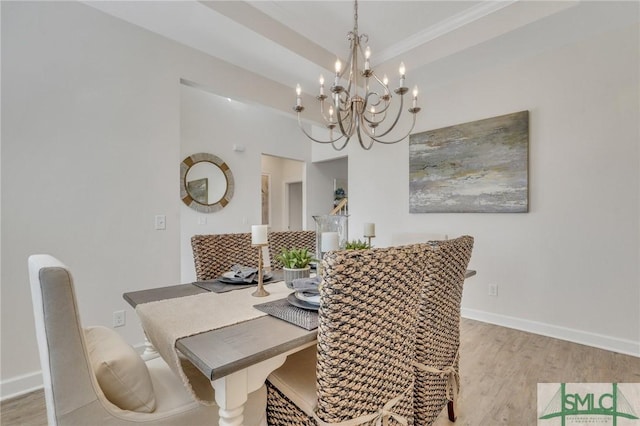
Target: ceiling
[{"x": 295, "y": 41}]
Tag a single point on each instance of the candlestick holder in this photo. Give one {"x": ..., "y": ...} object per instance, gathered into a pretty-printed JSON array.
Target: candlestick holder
[
  {"x": 260, "y": 291},
  {"x": 369, "y": 237}
]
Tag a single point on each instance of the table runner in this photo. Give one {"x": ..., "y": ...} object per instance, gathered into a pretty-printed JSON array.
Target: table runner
[{"x": 166, "y": 321}]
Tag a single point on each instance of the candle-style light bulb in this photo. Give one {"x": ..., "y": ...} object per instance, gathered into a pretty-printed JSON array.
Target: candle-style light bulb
[
  {"x": 298, "y": 98},
  {"x": 331, "y": 114},
  {"x": 367, "y": 55},
  {"x": 321, "y": 85},
  {"x": 338, "y": 66},
  {"x": 415, "y": 96},
  {"x": 401, "y": 69},
  {"x": 385, "y": 80}
]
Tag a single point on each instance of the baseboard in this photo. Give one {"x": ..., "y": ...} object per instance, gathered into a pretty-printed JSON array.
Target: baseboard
[
  {"x": 20, "y": 385},
  {"x": 26, "y": 383},
  {"x": 623, "y": 346}
]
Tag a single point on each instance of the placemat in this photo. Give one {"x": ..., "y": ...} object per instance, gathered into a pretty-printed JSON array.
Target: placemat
[
  {"x": 217, "y": 286},
  {"x": 285, "y": 311}
]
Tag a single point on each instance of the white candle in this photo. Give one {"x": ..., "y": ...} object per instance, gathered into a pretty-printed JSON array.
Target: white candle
[
  {"x": 298, "y": 93},
  {"x": 369, "y": 229},
  {"x": 367, "y": 55},
  {"x": 329, "y": 241},
  {"x": 259, "y": 234}
]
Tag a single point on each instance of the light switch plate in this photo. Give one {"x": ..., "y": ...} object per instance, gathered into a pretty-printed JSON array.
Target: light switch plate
[{"x": 161, "y": 222}]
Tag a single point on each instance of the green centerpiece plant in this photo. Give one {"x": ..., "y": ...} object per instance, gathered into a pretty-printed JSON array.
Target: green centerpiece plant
[
  {"x": 296, "y": 264},
  {"x": 357, "y": 245}
]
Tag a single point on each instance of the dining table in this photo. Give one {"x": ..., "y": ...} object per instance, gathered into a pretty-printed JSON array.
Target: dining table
[{"x": 236, "y": 357}]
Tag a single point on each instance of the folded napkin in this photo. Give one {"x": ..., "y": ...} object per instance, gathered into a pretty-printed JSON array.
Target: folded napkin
[
  {"x": 246, "y": 273},
  {"x": 308, "y": 285}
]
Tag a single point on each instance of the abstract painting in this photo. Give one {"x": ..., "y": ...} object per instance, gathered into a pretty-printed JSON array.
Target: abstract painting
[
  {"x": 475, "y": 167},
  {"x": 199, "y": 190}
]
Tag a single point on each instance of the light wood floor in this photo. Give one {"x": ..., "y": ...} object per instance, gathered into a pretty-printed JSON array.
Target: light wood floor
[{"x": 499, "y": 367}]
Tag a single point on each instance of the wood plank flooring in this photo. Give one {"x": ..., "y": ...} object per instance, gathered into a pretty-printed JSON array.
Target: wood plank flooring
[{"x": 499, "y": 367}]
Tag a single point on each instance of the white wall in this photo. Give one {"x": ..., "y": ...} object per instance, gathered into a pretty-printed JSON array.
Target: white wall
[
  {"x": 211, "y": 123},
  {"x": 91, "y": 130},
  {"x": 90, "y": 154},
  {"x": 569, "y": 267}
]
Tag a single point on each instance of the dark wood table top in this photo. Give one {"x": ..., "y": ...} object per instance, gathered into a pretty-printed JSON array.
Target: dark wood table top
[{"x": 219, "y": 352}]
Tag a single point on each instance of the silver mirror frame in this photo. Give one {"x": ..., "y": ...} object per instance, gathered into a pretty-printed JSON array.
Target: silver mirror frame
[{"x": 186, "y": 198}]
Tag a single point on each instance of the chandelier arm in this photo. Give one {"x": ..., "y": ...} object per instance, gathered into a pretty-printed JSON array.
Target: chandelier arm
[
  {"x": 383, "y": 111},
  {"x": 314, "y": 139},
  {"x": 360, "y": 138},
  {"x": 397, "y": 140},
  {"x": 393, "y": 125},
  {"x": 323, "y": 114},
  {"x": 341, "y": 122},
  {"x": 346, "y": 102},
  {"x": 343, "y": 145},
  {"x": 377, "y": 122}
]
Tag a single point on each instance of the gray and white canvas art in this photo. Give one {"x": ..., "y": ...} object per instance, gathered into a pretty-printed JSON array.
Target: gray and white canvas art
[{"x": 480, "y": 166}]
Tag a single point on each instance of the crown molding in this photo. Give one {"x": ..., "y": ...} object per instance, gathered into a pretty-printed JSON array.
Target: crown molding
[{"x": 459, "y": 20}]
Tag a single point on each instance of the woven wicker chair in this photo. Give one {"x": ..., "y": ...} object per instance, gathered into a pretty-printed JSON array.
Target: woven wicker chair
[
  {"x": 288, "y": 240},
  {"x": 438, "y": 334},
  {"x": 216, "y": 253},
  {"x": 363, "y": 366}
]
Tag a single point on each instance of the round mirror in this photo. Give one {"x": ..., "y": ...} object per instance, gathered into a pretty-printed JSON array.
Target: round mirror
[{"x": 206, "y": 182}]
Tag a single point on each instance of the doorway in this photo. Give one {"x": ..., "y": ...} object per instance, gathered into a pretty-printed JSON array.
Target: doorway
[
  {"x": 294, "y": 206},
  {"x": 283, "y": 193}
]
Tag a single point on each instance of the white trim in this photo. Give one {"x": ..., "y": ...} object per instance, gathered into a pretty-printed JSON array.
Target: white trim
[
  {"x": 615, "y": 344},
  {"x": 26, "y": 383},
  {"x": 20, "y": 385},
  {"x": 441, "y": 28}
]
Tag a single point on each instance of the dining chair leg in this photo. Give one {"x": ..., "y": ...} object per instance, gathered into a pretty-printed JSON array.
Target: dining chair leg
[{"x": 452, "y": 415}]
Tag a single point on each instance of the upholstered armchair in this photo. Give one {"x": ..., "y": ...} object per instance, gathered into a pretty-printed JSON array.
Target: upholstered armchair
[{"x": 93, "y": 377}]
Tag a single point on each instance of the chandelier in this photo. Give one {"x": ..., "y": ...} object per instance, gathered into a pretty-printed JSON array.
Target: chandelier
[{"x": 360, "y": 108}]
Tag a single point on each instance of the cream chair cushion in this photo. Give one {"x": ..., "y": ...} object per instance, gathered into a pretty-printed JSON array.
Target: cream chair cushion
[{"x": 121, "y": 373}]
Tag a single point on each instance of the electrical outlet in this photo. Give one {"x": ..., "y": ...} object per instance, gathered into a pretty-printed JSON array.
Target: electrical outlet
[
  {"x": 493, "y": 289},
  {"x": 119, "y": 318}
]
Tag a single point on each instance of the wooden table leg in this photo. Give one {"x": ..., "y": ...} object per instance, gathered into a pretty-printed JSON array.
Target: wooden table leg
[{"x": 232, "y": 390}]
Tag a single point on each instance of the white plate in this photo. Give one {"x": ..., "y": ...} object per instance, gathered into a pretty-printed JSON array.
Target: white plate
[
  {"x": 314, "y": 300},
  {"x": 291, "y": 298}
]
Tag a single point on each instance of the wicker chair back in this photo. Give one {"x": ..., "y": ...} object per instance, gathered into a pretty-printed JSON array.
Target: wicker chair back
[
  {"x": 216, "y": 253},
  {"x": 438, "y": 332},
  {"x": 366, "y": 333},
  {"x": 288, "y": 240}
]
